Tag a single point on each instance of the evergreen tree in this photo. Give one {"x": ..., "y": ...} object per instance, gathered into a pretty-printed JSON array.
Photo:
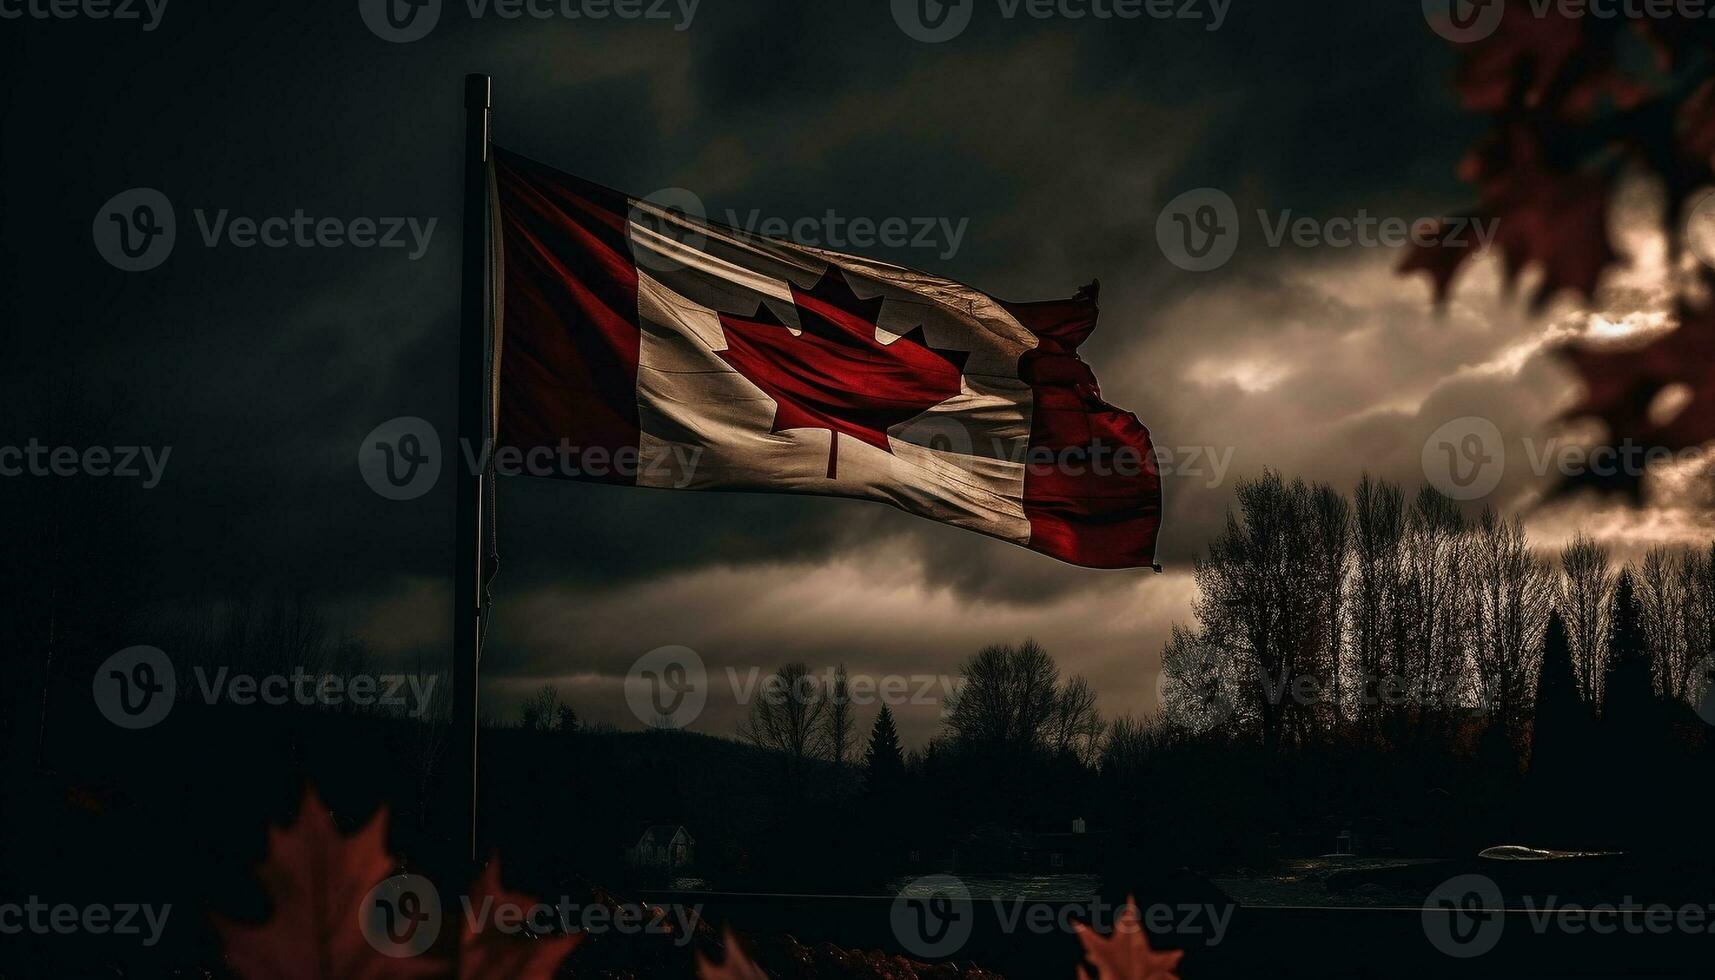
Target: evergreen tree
[
  {"x": 885, "y": 760},
  {"x": 1559, "y": 709},
  {"x": 1560, "y": 712},
  {"x": 1560, "y": 749},
  {"x": 1630, "y": 691}
]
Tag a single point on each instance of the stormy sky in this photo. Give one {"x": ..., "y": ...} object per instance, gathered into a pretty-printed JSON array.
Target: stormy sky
[{"x": 1054, "y": 143}]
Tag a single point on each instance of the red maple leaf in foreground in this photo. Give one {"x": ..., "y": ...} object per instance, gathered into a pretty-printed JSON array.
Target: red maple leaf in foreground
[
  {"x": 1572, "y": 107},
  {"x": 504, "y": 956},
  {"x": 1622, "y": 385},
  {"x": 317, "y": 882},
  {"x": 835, "y": 375},
  {"x": 1125, "y": 955},
  {"x": 736, "y": 966}
]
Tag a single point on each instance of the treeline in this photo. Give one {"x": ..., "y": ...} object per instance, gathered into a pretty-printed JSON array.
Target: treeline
[{"x": 1323, "y": 617}]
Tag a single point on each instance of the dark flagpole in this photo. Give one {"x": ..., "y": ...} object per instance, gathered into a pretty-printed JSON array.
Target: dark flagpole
[{"x": 473, "y": 432}]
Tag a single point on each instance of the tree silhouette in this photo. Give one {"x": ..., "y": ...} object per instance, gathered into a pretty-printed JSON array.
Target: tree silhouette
[
  {"x": 885, "y": 761},
  {"x": 840, "y": 723},
  {"x": 1631, "y": 692},
  {"x": 1560, "y": 734},
  {"x": 1586, "y": 587},
  {"x": 1559, "y": 710}
]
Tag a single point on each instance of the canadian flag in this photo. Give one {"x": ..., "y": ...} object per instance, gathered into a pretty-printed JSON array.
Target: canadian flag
[{"x": 694, "y": 355}]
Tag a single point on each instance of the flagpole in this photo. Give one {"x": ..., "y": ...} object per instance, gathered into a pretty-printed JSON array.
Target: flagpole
[{"x": 473, "y": 431}]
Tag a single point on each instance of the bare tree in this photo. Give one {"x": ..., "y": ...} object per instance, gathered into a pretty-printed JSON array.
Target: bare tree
[
  {"x": 1328, "y": 560},
  {"x": 1437, "y": 575},
  {"x": 1075, "y": 727},
  {"x": 1378, "y": 565},
  {"x": 787, "y": 717},
  {"x": 1129, "y": 744},
  {"x": 1701, "y": 568},
  {"x": 544, "y": 711},
  {"x": 1668, "y": 584},
  {"x": 840, "y": 724},
  {"x": 1511, "y": 596},
  {"x": 1200, "y": 686},
  {"x": 1008, "y": 699},
  {"x": 1259, "y": 607},
  {"x": 1586, "y": 586}
]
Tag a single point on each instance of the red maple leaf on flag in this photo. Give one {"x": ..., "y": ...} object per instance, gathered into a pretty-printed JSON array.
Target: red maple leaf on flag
[
  {"x": 1126, "y": 954},
  {"x": 835, "y": 374}
]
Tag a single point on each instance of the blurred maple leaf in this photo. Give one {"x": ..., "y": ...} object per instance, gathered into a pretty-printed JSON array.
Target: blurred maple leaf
[
  {"x": 1125, "y": 955},
  {"x": 317, "y": 882},
  {"x": 736, "y": 966},
  {"x": 1621, "y": 386},
  {"x": 502, "y": 956},
  {"x": 1570, "y": 111}
]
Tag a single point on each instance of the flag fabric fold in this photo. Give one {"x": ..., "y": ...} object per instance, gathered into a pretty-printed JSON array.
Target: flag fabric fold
[{"x": 643, "y": 346}]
